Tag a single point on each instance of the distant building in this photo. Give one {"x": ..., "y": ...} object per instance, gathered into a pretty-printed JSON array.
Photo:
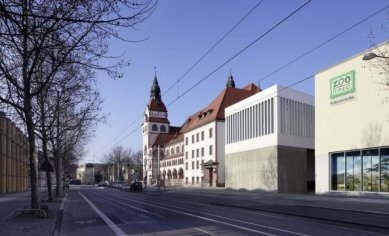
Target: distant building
[
  {"x": 352, "y": 125},
  {"x": 270, "y": 142},
  {"x": 88, "y": 173},
  {"x": 192, "y": 154}
]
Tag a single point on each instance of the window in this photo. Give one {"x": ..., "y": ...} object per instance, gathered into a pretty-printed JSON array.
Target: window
[
  {"x": 202, "y": 135},
  {"x": 197, "y": 179},
  {"x": 182, "y": 148},
  {"x": 192, "y": 138},
  {"x": 186, "y": 141},
  {"x": 197, "y": 137},
  {"x": 210, "y": 133},
  {"x": 167, "y": 152},
  {"x": 193, "y": 180},
  {"x": 385, "y": 170},
  {"x": 370, "y": 163},
  {"x": 210, "y": 150},
  {"x": 197, "y": 152},
  {"x": 192, "y": 165},
  {"x": 154, "y": 127},
  {"x": 202, "y": 151},
  {"x": 353, "y": 171},
  {"x": 186, "y": 155},
  {"x": 197, "y": 164},
  {"x": 186, "y": 166},
  {"x": 163, "y": 128},
  {"x": 192, "y": 153},
  {"x": 360, "y": 170},
  {"x": 177, "y": 149},
  {"x": 172, "y": 151},
  {"x": 186, "y": 180}
]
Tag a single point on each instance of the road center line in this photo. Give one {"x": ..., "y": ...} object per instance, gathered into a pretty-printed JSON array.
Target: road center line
[
  {"x": 217, "y": 216},
  {"x": 204, "y": 231},
  {"x": 112, "y": 225},
  {"x": 199, "y": 217}
]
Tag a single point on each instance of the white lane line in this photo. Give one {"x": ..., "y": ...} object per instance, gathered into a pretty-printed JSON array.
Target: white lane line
[
  {"x": 204, "y": 218},
  {"x": 112, "y": 225},
  {"x": 63, "y": 202},
  {"x": 222, "y": 217},
  {"x": 128, "y": 205},
  {"x": 204, "y": 231}
]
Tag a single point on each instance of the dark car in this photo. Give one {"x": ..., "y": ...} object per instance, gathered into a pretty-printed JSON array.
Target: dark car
[{"x": 136, "y": 186}]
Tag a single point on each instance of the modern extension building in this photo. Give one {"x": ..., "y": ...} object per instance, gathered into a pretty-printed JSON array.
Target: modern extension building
[
  {"x": 193, "y": 153},
  {"x": 352, "y": 125},
  {"x": 270, "y": 142}
]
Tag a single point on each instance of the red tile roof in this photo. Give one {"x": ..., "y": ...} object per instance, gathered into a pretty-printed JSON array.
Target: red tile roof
[
  {"x": 214, "y": 111},
  {"x": 156, "y": 105}
]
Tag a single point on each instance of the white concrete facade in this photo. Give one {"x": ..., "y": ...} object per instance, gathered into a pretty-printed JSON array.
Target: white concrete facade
[
  {"x": 352, "y": 111},
  {"x": 268, "y": 136},
  {"x": 287, "y": 112}
]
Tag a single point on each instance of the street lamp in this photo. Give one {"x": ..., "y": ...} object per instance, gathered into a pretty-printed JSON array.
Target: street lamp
[{"x": 372, "y": 55}]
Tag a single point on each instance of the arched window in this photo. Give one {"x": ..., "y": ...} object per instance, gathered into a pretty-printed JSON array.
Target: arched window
[
  {"x": 177, "y": 149},
  {"x": 182, "y": 148},
  {"x": 163, "y": 128},
  {"x": 167, "y": 152},
  {"x": 172, "y": 151},
  {"x": 154, "y": 127}
]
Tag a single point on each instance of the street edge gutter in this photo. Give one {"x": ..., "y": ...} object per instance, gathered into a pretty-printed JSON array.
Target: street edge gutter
[
  {"x": 58, "y": 223},
  {"x": 300, "y": 215}
]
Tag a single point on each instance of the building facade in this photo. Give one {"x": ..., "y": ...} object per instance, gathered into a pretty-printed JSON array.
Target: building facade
[
  {"x": 270, "y": 141},
  {"x": 193, "y": 153},
  {"x": 352, "y": 125},
  {"x": 14, "y": 159}
]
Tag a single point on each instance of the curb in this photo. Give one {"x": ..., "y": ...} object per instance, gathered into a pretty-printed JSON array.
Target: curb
[{"x": 58, "y": 223}]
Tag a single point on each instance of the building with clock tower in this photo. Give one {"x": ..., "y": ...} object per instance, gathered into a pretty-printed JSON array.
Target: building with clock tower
[{"x": 193, "y": 153}]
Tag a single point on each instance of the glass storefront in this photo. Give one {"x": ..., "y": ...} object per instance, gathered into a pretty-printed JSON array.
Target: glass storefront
[{"x": 362, "y": 170}]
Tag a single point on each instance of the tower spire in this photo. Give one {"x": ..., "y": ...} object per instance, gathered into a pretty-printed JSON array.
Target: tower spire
[
  {"x": 155, "y": 92},
  {"x": 230, "y": 81}
]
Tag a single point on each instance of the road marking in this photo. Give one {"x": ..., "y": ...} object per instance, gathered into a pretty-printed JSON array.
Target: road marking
[
  {"x": 112, "y": 225},
  {"x": 63, "y": 202},
  {"x": 222, "y": 217},
  {"x": 204, "y": 218},
  {"x": 136, "y": 208},
  {"x": 204, "y": 231}
]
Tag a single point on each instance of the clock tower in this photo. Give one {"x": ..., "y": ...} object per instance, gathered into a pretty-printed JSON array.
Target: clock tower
[{"x": 155, "y": 122}]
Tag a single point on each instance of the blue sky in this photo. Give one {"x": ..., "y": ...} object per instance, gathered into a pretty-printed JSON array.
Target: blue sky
[{"x": 179, "y": 32}]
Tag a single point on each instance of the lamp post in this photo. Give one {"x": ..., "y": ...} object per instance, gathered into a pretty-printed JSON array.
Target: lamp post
[
  {"x": 372, "y": 55},
  {"x": 158, "y": 179}
]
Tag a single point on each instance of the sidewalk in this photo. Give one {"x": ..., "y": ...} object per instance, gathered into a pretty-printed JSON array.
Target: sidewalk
[{"x": 24, "y": 224}]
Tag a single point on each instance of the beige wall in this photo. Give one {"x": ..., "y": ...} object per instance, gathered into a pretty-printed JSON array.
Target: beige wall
[
  {"x": 252, "y": 170},
  {"x": 361, "y": 121}
]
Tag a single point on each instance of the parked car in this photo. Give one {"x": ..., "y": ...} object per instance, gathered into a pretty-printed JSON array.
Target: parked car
[
  {"x": 75, "y": 182},
  {"x": 103, "y": 184},
  {"x": 117, "y": 184},
  {"x": 136, "y": 186}
]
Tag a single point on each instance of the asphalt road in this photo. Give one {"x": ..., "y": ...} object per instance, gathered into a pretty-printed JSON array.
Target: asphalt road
[{"x": 105, "y": 211}]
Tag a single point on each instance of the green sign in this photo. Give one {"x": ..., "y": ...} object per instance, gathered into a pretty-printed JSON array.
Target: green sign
[{"x": 342, "y": 84}]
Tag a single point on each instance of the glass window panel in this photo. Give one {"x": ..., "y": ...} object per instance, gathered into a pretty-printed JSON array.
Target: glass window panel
[
  {"x": 337, "y": 171},
  {"x": 370, "y": 165},
  {"x": 385, "y": 170},
  {"x": 353, "y": 171}
]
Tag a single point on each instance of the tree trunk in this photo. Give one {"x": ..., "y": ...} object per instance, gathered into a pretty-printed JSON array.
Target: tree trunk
[
  {"x": 33, "y": 157},
  {"x": 46, "y": 158},
  {"x": 58, "y": 173}
]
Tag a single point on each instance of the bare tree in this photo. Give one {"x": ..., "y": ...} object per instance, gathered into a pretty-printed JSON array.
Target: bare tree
[{"x": 71, "y": 32}]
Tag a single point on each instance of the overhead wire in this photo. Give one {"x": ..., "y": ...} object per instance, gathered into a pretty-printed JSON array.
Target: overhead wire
[
  {"x": 213, "y": 47},
  {"x": 191, "y": 68},
  {"x": 231, "y": 58},
  {"x": 323, "y": 43}
]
